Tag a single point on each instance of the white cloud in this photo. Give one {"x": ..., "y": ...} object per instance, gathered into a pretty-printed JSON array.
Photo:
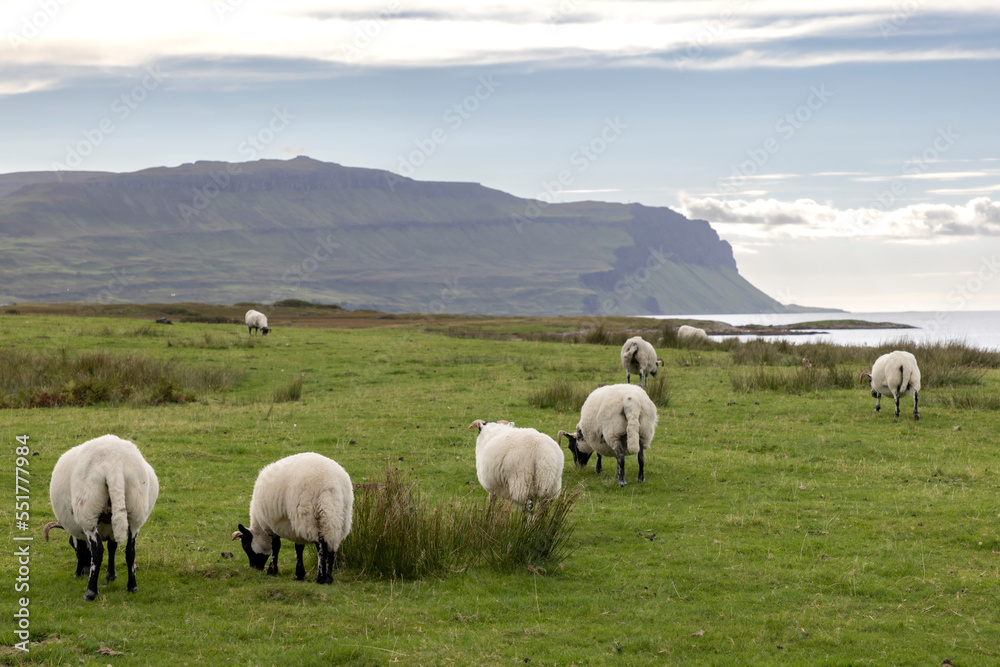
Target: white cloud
[
  {"x": 807, "y": 219},
  {"x": 109, "y": 35}
]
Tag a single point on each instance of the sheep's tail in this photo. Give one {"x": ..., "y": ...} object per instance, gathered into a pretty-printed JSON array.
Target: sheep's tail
[
  {"x": 632, "y": 411},
  {"x": 630, "y": 352},
  {"x": 119, "y": 515}
]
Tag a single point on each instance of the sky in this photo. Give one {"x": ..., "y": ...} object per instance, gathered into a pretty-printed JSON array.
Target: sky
[{"x": 849, "y": 151}]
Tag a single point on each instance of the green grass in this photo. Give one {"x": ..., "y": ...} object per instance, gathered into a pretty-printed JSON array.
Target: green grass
[{"x": 773, "y": 528}]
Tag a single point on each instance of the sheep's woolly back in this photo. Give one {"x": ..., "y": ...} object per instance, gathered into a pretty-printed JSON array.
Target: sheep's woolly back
[
  {"x": 638, "y": 356},
  {"x": 896, "y": 374},
  {"x": 255, "y": 318},
  {"x": 106, "y": 471},
  {"x": 686, "y": 332},
  {"x": 617, "y": 416},
  {"x": 519, "y": 464},
  {"x": 299, "y": 498}
]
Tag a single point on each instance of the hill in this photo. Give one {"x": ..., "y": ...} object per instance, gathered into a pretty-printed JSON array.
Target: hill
[{"x": 362, "y": 238}]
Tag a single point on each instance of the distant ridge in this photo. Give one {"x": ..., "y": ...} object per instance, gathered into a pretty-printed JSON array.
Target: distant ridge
[{"x": 268, "y": 230}]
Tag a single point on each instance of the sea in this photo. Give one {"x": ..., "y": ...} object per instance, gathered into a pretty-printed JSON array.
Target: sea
[{"x": 980, "y": 329}]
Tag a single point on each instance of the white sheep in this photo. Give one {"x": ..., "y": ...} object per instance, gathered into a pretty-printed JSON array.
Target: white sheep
[
  {"x": 519, "y": 464},
  {"x": 256, "y": 320},
  {"x": 897, "y": 374},
  {"x": 638, "y": 356},
  {"x": 689, "y": 333},
  {"x": 305, "y": 498},
  {"x": 616, "y": 420},
  {"x": 102, "y": 490}
]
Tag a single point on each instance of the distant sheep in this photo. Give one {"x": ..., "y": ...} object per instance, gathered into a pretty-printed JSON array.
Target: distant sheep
[
  {"x": 689, "y": 333},
  {"x": 305, "y": 498},
  {"x": 638, "y": 356},
  {"x": 616, "y": 420},
  {"x": 519, "y": 464},
  {"x": 256, "y": 320},
  {"x": 102, "y": 490},
  {"x": 895, "y": 374}
]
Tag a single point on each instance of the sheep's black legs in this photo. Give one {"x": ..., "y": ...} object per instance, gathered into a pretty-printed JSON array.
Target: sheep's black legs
[
  {"x": 896, "y": 397},
  {"x": 642, "y": 466},
  {"x": 82, "y": 556},
  {"x": 621, "y": 468},
  {"x": 132, "y": 587},
  {"x": 598, "y": 469},
  {"x": 300, "y": 569},
  {"x": 96, "y": 557},
  {"x": 878, "y": 403},
  {"x": 916, "y": 413},
  {"x": 112, "y": 548},
  {"x": 275, "y": 547},
  {"x": 326, "y": 560}
]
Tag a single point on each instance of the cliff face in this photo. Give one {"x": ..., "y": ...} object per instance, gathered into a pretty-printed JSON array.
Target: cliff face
[{"x": 267, "y": 230}]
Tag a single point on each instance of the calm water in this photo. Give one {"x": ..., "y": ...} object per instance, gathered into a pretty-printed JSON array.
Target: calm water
[{"x": 975, "y": 328}]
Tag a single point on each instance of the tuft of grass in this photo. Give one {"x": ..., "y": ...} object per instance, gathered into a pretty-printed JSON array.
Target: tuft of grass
[
  {"x": 969, "y": 400},
  {"x": 396, "y": 534},
  {"x": 38, "y": 378},
  {"x": 290, "y": 391},
  {"x": 659, "y": 391},
  {"x": 561, "y": 395}
]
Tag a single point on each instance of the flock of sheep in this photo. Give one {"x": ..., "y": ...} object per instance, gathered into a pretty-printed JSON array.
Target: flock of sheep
[{"x": 104, "y": 490}]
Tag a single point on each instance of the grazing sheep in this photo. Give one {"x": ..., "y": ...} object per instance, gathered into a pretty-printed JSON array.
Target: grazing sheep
[
  {"x": 689, "y": 333},
  {"x": 303, "y": 498},
  {"x": 895, "y": 373},
  {"x": 256, "y": 320},
  {"x": 638, "y": 356},
  {"x": 102, "y": 490},
  {"x": 616, "y": 420},
  {"x": 519, "y": 464}
]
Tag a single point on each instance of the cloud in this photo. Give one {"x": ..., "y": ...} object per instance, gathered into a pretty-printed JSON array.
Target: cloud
[
  {"x": 808, "y": 219},
  {"x": 104, "y": 35}
]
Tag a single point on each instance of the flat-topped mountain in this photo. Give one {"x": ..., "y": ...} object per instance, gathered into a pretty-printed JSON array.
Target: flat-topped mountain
[{"x": 269, "y": 230}]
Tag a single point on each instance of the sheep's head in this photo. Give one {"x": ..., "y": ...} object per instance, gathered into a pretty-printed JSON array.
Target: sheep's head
[
  {"x": 579, "y": 458},
  {"x": 264, "y": 331},
  {"x": 871, "y": 384},
  {"x": 257, "y": 560}
]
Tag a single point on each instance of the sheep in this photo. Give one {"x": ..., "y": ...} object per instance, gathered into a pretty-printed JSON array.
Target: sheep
[
  {"x": 519, "y": 464},
  {"x": 102, "y": 490},
  {"x": 638, "y": 356},
  {"x": 303, "y": 498},
  {"x": 689, "y": 333},
  {"x": 256, "y": 320},
  {"x": 895, "y": 373},
  {"x": 616, "y": 420}
]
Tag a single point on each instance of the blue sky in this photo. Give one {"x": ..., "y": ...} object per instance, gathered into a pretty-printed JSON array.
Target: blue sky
[{"x": 849, "y": 151}]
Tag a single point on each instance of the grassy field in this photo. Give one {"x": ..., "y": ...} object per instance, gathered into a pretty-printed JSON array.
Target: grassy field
[{"x": 786, "y": 525}]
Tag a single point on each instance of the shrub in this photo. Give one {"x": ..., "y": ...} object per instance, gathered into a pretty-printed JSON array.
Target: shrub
[
  {"x": 290, "y": 391},
  {"x": 397, "y": 534}
]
